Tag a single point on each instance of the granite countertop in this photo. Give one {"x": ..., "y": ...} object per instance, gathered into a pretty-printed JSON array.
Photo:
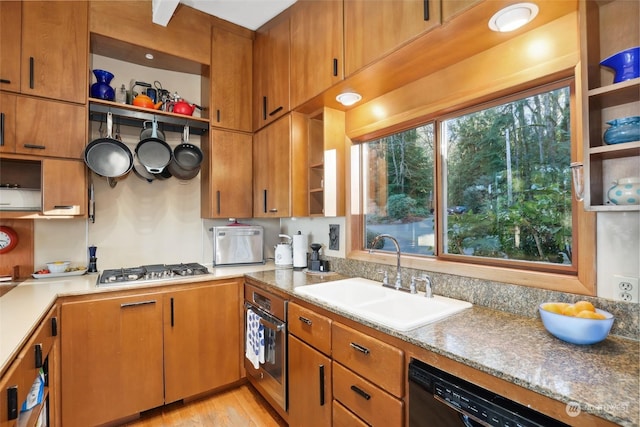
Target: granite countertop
[{"x": 604, "y": 378}]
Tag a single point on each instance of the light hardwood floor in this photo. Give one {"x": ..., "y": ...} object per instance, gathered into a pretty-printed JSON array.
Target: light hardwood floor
[{"x": 239, "y": 407}]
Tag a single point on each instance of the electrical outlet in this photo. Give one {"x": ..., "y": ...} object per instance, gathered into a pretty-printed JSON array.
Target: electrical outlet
[{"x": 625, "y": 288}]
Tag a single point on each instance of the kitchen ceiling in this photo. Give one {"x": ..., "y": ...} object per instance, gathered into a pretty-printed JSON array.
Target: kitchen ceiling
[{"x": 251, "y": 14}]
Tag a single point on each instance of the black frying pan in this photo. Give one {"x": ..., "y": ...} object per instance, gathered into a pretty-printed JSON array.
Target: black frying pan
[
  {"x": 154, "y": 154},
  {"x": 107, "y": 156}
]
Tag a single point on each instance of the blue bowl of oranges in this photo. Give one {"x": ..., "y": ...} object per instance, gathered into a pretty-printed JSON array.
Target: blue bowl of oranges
[{"x": 578, "y": 323}]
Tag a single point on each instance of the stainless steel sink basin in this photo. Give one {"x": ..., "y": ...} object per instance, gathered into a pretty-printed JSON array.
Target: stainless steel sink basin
[{"x": 370, "y": 300}]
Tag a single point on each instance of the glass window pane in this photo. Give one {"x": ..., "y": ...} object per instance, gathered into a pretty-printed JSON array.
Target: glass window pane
[
  {"x": 398, "y": 190},
  {"x": 508, "y": 181}
]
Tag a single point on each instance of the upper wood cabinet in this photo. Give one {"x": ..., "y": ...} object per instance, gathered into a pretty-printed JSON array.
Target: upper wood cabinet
[
  {"x": 227, "y": 175},
  {"x": 54, "y": 50},
  {"x": 316, "y": 48},
  {"x": 607, "y": 28},
  {"x": 10, "y": 43},
  {"x": 374, "y": 28},
  {"x": 64, "y": 187},
  {"x": 231, "y": 74},
  {"x": 271, "y": 71}
]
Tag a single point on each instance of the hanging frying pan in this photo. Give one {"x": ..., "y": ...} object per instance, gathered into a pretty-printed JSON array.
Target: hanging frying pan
[
  {"x": 107, "y": 156},
  {"x": 186, "y": 160},
  {"x": 154, "y": 154}
]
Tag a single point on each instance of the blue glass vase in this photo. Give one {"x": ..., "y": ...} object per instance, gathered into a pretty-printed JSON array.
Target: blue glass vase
[
  {"x": 101, "y": 88},
  {"x": 623, "y": 130}
]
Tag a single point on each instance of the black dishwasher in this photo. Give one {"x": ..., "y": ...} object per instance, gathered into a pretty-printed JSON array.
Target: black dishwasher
[{"x": 439, "y": 399}]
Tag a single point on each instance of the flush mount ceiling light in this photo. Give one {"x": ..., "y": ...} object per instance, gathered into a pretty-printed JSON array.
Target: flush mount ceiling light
[
  {"x": 513, "y": 17},
  {"x": 348, "y": 98}
]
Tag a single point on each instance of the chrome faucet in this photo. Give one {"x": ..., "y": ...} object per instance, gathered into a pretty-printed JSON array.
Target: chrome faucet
[
  {"x": 428, "y": 292},
  {"x": 395, "y": 242}
]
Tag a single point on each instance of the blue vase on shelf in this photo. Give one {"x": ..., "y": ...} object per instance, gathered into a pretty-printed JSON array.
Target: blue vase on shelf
[
  {"x": 622, "y": 130},
  {"x": 101, "y": 88}
]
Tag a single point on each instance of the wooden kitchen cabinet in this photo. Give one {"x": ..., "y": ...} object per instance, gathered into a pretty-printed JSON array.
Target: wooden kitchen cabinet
[
  {"x": 316, "y": 48},
  {"x": 231, "y": 74},
  {"x": 374, "y": 28},
  {"x": 64, "y": 187},
  {"x": 271, "y": 71},
  {"x": 10, "y": 43},
  {"x": 54, "y": 55},
  {"x": 202, "y": 338},
  {"x": 40, "y": 352},
  {"x": 279, "y": 175},
  {"x": 310, "y": 373},
  {"x": 607, "y": 28},
  {"x": 368, "y": 376},
  {"x": 50, "y": 128},
  {"x": 112, "y": 361},
  {"x": 227, "y": 175}
]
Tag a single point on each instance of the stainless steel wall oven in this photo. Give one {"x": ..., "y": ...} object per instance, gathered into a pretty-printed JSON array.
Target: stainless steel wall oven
[{"x": 266, "y": 314}]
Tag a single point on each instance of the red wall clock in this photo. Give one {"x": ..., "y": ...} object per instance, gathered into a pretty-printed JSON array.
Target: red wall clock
[{"x": 8, "y": 239}]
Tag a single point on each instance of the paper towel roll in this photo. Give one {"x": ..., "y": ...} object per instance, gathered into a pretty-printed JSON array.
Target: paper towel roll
[{"x": 300, "y": 250}]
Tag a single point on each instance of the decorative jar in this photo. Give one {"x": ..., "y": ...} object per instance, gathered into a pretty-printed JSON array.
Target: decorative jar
[
  {"x": 625, "y": 64},
  {"x": 626, "y": 129},
  {"x": 101, "y": 88},
  {"x": 625, "y": 191}
]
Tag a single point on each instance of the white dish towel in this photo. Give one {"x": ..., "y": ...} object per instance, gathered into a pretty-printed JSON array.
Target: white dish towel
[{"x": 254, "y": 342}]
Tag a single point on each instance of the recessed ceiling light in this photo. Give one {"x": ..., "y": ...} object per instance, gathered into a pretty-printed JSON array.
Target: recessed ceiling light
[
  {"x": 348, "y": 98},
  {"x": 513, "y": 17},
  {"x": 149, "y": 56}
]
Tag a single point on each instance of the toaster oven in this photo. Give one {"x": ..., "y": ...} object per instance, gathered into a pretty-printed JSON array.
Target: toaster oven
[{"x": 238, "y": 244}]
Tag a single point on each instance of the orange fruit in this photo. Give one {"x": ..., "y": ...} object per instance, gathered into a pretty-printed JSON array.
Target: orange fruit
[
  {"x": 570, "y": 310},
  {"x": 588, "y": 314},
  {"x": 585, "y": 305},
  {"x": 554, "y": 307}
]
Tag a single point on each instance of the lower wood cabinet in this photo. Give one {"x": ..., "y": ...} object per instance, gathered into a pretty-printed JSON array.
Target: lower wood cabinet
[{"x": 125, "y": 354}]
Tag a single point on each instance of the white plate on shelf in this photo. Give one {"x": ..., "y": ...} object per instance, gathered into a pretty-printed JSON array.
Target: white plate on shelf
[{"x": 65, "y": 274}]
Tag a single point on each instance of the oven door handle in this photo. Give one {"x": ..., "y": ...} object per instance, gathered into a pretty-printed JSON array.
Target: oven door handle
[{"x": 266, "y": 320}]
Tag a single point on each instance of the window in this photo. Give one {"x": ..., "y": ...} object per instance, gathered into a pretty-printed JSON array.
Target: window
[{"x": 504, "y": 184}]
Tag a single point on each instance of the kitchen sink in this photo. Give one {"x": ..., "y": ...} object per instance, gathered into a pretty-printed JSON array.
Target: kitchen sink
[{"x": 389, "y": 307}]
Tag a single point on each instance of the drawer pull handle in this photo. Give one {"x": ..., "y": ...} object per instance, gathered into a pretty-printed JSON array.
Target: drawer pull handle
[
  {"x": 54, "y": 326},
  {"x": 34, "y": 146},
  {"x": 264, "y": 108},
  {"x": 276, "y": 111},
  {"x": 12, "y": 402},
  {"x": 1, "y": 129},
  {"x": 172, "y": 314},
  {"x": 321, "y": 372},
  {"x": 361, "y": 392},
  {"x": 31, "y": 72},
  {"x": 135, "y": 304},
  {"x": 5, "y": 81},
  {"x": 305, "y": 320},
  {"x": 38, "y": 356},
  {"x": 360, "y": 348},
  {"x": 335, "y": 67},
  {"x": 66, "y": 207},
  {"x": 426, "y": 10}
]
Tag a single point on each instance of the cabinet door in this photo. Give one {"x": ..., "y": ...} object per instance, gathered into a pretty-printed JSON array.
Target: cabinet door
[
  {"x": 310, "y": 393},
  {"x": 271, "y": 71},
  {"x": 10, "y": 19},
  {"x": 202, "y": 330},
  {"x": 374, "y": 28},
  {"x": 231, "y": 74},
  {"x": 227, "y": 176},
  {"x": 316, "y": 48},
  {"x": 50, "y": 128},
  {"x": 7, "y": 120},
  {"x": 64, "y": 187},
  {"x": 271, "y": 168},
  {"x": 55, "y": 50},
  {"x": 111, "y": 359}
]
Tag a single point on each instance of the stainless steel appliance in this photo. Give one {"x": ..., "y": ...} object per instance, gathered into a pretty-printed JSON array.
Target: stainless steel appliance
[
  {"x": 437, "y": 398},
  {"x": 150, "y": 273},
  {"x": 270, "y": 378},
  {"x": 238, "y": 244}
]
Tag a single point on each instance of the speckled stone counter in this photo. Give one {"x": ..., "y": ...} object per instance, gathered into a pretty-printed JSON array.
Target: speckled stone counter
[{"x": 603, "y": 379}]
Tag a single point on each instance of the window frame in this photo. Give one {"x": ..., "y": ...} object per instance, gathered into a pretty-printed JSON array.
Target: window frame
[{"x": 579, "y": 279}]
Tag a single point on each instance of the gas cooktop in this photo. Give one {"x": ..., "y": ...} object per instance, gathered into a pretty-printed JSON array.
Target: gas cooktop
[{"x": 150, "y": 273}]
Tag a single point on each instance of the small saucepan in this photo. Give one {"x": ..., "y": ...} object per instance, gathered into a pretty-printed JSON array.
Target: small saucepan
[
  {"x": 107, "y": 156},
  {"x": 154, "y": 154},
  {"x": 187, "y": 158}
]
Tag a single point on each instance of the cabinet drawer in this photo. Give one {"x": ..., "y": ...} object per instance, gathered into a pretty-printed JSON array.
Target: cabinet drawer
[
  {"x": 375, "y": 406},
  {"x": 310, "y": 327},
  {"x": 35, "y": 352},
  {"x": 342, "y": 417},
  {"x": 15, "y": 383},
  {"x": 375, "y": 360}
]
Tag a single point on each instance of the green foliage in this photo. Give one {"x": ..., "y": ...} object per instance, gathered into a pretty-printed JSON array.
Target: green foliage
[{"x": 401, "y": 206}]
